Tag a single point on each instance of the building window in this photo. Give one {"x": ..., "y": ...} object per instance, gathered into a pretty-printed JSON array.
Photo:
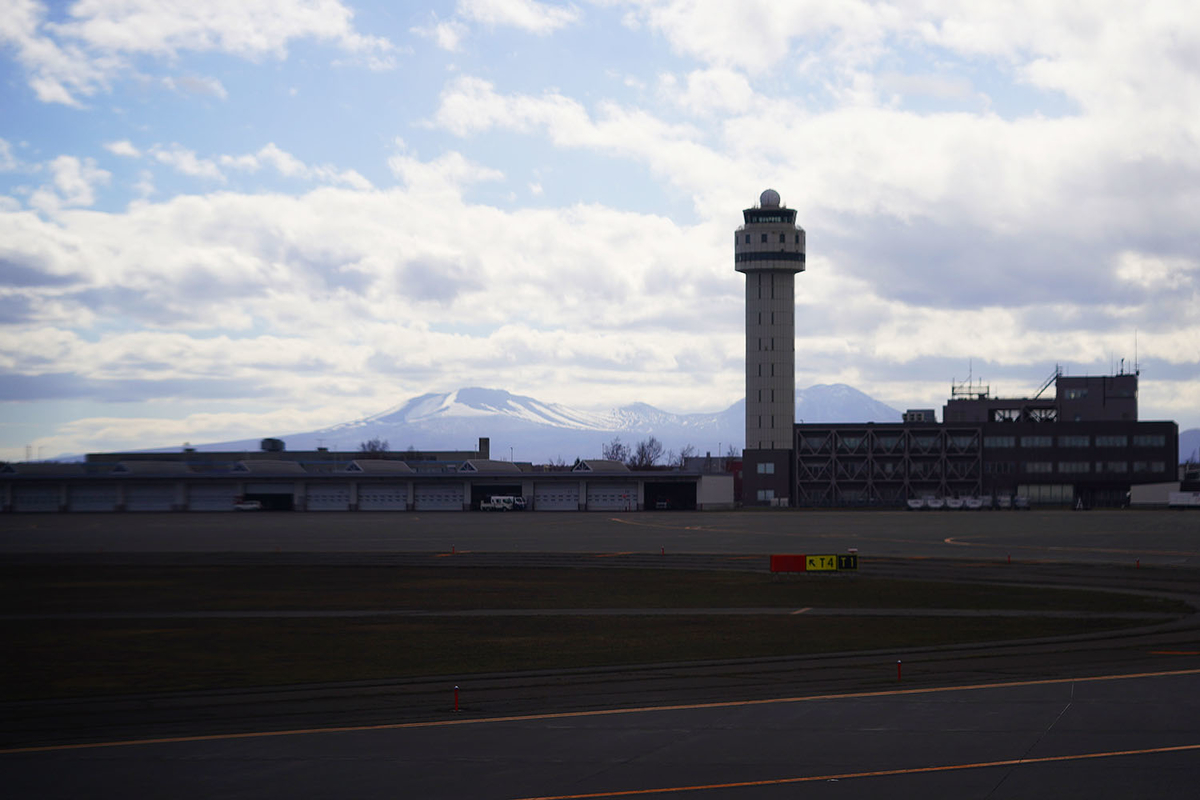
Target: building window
[
  {"x": 766, "y": 494},
  {"x": 1118, "y": 466},
  {"x": 1140, "y": 466},
  {"x": 1076, "y": 394},
  {"x": 998, "y": 467},
  {"x": 1075, "y": 441},
  {"x": 1112, "y": 441},
  {"x": 1158, "y": 466},
  {"x": 783, "y": 238},
  {"x": 1037, "y": 441},
  {"x": 999, "y": 441},
  {"x": 1040, "y": 466},
  {"x": 747, "y": 238},
  {"x": 766, "y": 469},
  {"x": 797, "y": 238},
  {"x": 1149, "y": 441},
  {"x": 1069, "y": 467},
  {"x": 764, "y": 238}
]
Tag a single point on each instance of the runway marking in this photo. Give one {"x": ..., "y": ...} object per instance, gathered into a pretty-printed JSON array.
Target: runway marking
[
  {"x": 801, "y": 611},
  {"x": 1175, "y": 652},
  {"x": 606, "y": 712},
  {"x": 1015, "y": 762}
]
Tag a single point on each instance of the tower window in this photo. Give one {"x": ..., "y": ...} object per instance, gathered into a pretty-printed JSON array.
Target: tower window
[
  {"x": 797, "y": 238},
  {"x": 782, "y": 238},
  {"x": 747, "y": 238},
  {"x": 764, "y": 238}
]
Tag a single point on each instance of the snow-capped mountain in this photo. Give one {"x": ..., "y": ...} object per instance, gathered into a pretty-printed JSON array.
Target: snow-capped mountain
[{"x": 526, "y": 429}]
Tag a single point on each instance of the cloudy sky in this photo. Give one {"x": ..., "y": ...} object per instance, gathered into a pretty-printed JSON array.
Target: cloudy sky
[{"x": 236, "y": 219}]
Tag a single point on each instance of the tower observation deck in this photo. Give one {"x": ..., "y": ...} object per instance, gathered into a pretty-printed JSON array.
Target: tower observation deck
[{"x": 769, "y": 250}]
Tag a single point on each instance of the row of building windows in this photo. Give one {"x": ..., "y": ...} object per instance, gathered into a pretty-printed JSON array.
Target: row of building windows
[
  {"x": 1074, "y": 467},
  {"x": 766, "y": 469},
  {"x": 1074, "y": 441},
  {"x": 782, "y": 238}
]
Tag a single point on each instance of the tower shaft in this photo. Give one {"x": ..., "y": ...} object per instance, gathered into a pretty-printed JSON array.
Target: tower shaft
[{"x": 769, "y": 249}]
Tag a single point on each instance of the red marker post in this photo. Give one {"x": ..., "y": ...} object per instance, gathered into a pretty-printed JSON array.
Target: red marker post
[
  {"x": 897, "y": 670},
  {"x": 456, "y": 698}
]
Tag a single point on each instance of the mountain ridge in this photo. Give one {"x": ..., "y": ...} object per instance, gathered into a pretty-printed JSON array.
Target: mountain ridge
[{"x": 528, "y": 429}]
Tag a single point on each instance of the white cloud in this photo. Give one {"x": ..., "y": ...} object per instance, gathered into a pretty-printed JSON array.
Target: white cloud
[
  {"x": 528, "y": 15},
  {"x": 93, "y": 46},
  {"x": 74, "y": 184},
  {"x": 124, "y": 147},
  {"x": 187, "y": 162},
  {"x": 1157, "y": 273},
  {"x": 192, "y": 84},
  {"x": 7, "y": 160},
  {"x": 709, "y": 92}
]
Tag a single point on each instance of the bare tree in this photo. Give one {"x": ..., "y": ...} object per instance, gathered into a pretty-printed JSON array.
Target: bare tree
[
  {"x": 646, "y": 454},
  {"x": 686, "y": 452},
  {"x": 732, "y": 452},
  {"x": 373, "y": 446},
  {"x": 615, "y": 450}
]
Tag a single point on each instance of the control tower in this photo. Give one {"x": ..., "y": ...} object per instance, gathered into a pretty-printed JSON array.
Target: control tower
[{"x": 769, "y": 249}]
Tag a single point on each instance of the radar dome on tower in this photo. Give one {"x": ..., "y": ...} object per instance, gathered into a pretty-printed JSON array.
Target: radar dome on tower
[{"x": 769, "y": 199}]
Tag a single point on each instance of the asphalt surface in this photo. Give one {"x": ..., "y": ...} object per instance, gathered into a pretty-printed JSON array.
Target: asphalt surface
[{"x": 1113, "y": 715}]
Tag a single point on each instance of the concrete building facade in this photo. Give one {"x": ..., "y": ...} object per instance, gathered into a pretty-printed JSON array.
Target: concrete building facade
[{"x": 769, "y": 249}]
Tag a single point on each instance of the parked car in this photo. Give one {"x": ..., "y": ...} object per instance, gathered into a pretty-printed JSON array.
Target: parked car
[{"x": 248, "y": 505}]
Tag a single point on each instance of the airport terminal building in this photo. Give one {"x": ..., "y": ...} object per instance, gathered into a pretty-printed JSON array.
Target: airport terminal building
[{"x": 1084, "y": 446}]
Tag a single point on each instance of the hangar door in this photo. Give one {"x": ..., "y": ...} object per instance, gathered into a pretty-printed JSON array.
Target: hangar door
[
  {"x": 670, "y": 496},
  {"x": 84, "y": 497},
  {"x": 383, "y": 497},
  {"x": 556, "y": 496},
  {"x": 612, "y": 496},
  {"x": 36, "y": 497},
  {"x": 149, "y": 496},
  {"x": 482, "y": 491},
  {"x": 328, "y": 497},
  {"x": 273, "y": 496},
  {"x": 439, "y": 497},
  {"x": 218, "y": 497}
]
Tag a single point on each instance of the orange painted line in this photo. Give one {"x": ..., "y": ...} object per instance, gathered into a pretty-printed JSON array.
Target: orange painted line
[
  {"x": 606, "y": 712},
  {"x": 1175, "y": 652},
  {"x": 612, "y": 555},
  {"x": 873, "y": 774},
  {"x": 801, "y": 611}
]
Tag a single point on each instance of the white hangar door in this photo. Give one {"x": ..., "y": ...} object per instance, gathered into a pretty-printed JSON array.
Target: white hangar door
[
  {"x": 612, "y": 496},
  {"x": 93, "y": 498},
  {"x": 149, "y": 496},
  {"x": 439, "y": 497},
  {"x": 382, "y": 496},
  {"x": 556, "y": 496},
  {"x": 328, "y": 497},
  {"x": 214, "y": 497},
  {"x": 36, "y": 497}
]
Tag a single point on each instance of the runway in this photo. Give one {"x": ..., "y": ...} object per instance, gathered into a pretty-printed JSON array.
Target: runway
[
  {"x": 1108, "y": 716},
  {"x": 1105, "y": 736}
]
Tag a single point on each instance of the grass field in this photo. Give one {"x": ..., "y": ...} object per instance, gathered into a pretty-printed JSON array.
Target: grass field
[{"x": 64, "y": 656}]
